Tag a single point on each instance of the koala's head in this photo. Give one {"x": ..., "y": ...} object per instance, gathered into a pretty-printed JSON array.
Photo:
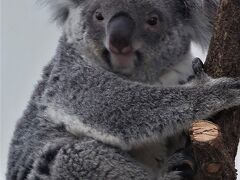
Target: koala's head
[{"x": 139, "y": 39}]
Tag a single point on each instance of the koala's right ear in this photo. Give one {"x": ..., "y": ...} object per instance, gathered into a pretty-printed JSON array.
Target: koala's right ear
[
  {"x": 200, "y": 19},
  {"x": 60, "y": 8}
]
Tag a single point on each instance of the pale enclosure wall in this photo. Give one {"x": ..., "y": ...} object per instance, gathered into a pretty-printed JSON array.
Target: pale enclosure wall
[{"x": 28, "y": 42}]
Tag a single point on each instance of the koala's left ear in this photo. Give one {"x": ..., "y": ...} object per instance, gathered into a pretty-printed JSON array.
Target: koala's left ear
[
  {"x": 60, "y": 8},
  {"x": 199, "y": 17}
]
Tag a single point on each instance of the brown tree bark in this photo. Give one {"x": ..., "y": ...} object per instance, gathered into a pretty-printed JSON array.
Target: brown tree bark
[{"x": 223, "y": 60}]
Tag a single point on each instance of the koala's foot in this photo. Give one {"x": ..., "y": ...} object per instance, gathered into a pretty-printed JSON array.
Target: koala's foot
[{"x": 181, "y": 165}]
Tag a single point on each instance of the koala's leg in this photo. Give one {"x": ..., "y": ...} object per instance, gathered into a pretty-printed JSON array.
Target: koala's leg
[
  {"x": 179, "y": 157},
  {"x": 87, "y": 159},
  {"x": 44, "y": 151}
]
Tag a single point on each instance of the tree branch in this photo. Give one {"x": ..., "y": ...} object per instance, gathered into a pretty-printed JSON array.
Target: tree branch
[{"x": 223, "y": 60}]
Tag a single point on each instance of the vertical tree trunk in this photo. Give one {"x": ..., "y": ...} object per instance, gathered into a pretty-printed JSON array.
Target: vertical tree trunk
[{"x": 223, "y": 60}]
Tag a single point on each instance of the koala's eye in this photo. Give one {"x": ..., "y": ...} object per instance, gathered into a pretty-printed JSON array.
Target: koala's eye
[
  {"x": 99, "y": 16},
  {"x": 153, "y": 21}
]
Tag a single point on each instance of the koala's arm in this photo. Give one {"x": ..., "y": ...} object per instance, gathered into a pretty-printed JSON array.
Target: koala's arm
[
  {"x": 92, "y": 101},
  {"x": 44, "y": 150}
]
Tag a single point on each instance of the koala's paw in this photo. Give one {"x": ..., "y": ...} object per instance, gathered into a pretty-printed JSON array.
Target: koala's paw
[
  {"x": 225, "y": 92},
  {"x": 181, "y": 165},
  {"x": 216, "y": 94}
]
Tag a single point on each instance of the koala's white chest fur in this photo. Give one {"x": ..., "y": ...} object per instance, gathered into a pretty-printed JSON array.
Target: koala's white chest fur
[{"x": 178, "y": 73}]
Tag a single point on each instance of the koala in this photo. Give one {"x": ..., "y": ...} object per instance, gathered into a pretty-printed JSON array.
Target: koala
[{"x": 116, "y": 99}]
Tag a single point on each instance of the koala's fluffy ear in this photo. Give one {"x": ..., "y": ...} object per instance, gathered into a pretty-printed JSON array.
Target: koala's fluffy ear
[
  {"x": 200, "y": 19},
  {"x": 60, "y": 8}
]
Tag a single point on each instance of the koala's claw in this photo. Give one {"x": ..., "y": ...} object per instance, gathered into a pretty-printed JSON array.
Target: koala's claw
[{"x": 198, "y": 67}]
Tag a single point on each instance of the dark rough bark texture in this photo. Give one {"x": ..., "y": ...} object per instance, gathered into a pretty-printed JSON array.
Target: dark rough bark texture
[{"x": 224, "y": 60}]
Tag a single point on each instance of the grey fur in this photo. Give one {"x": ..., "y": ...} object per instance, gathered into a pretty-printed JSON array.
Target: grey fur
[{"x": 86, "y": 121}]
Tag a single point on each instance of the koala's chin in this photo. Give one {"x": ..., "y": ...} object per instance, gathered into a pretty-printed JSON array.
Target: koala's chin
[{"x": 123, "y": 63}]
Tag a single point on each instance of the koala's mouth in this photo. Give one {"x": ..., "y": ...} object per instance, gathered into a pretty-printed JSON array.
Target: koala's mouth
[{"x": 122, "y": 63}]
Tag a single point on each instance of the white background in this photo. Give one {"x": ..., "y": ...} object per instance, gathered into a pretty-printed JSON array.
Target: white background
[{"x": 28, "y": 41}]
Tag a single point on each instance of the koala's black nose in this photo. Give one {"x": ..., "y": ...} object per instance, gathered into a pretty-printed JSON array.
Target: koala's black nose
[{"x": 119, "y": 31}]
